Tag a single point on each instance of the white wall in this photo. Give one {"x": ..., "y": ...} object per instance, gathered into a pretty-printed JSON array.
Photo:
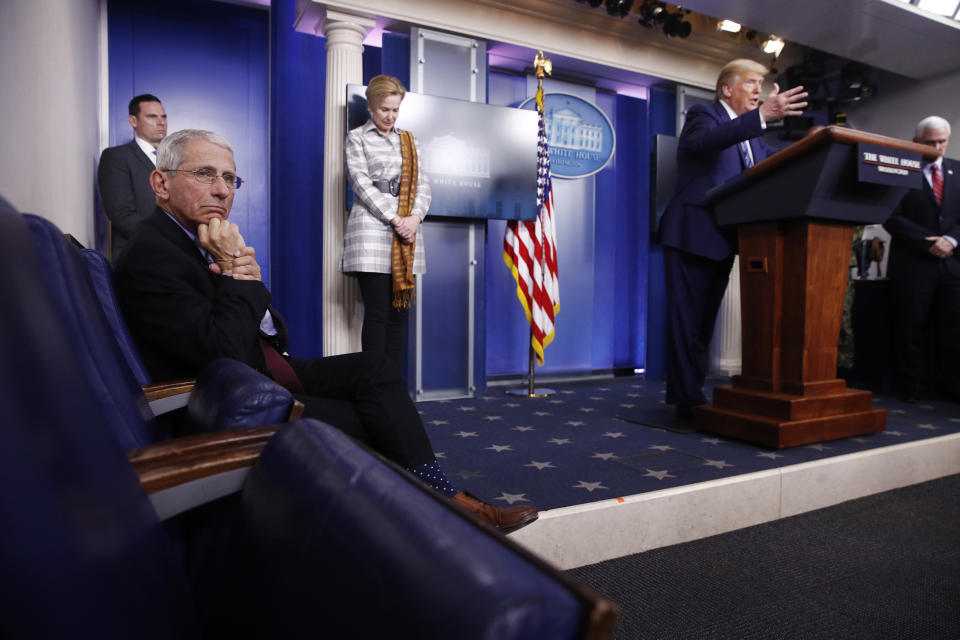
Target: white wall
[
  {"x": 49, "y": 110},
  {"x": 900, "y": 103}
]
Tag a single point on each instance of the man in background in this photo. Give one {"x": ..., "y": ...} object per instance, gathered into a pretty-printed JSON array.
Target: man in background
[
  {"x": 718, "y": 141},
  {"x": 925, "y": 267},
  {"x": 124, "y": 172}
]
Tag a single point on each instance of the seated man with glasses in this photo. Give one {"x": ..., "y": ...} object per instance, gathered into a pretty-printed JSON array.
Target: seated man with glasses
[{"x": 191, "y": 292}]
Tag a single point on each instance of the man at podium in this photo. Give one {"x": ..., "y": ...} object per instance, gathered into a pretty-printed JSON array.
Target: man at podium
[{"x": 718, "y": 141}]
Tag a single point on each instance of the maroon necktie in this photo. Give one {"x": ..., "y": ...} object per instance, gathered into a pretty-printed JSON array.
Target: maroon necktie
[
  {"x": 936, "y": 181},
  {"x": 280, "y": 369}
]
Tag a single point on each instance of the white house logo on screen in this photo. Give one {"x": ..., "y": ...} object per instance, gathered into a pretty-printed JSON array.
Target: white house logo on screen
[
  {"x": 580, "y": 136},
  {"x": 449, "y": 160}
]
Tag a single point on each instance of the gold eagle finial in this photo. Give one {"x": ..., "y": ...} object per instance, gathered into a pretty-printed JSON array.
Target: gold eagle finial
[{"x": 542, "y": 64}]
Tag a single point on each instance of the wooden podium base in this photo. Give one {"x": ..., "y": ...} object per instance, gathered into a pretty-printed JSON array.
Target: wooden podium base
[{"x": 779, "y": 420}]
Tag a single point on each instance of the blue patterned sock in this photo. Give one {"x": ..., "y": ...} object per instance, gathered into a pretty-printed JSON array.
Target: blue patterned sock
[{"x": 431, "y": 474}]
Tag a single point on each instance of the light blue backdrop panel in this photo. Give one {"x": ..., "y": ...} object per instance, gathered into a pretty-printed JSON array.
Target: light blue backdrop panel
[
  {"x": 446, "y": 64},
  {"x": 208, "y": 64},
  {"x": 446, "y": 304},
  {"x": 448, "y": 360}
]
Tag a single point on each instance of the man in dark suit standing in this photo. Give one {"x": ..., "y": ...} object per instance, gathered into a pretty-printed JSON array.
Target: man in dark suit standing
[
  {"x": 191, "y": 292},
  {"x": 925, "y": 267},
  {"x": 718, "y": 141},
  {"x": 124, "y": 172}
]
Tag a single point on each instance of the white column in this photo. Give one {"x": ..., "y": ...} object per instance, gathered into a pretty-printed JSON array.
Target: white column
[
  {"x": 342, "y": 310},
  {"x": 49, "y": 150},
  {"x": 726, "y": 349}
]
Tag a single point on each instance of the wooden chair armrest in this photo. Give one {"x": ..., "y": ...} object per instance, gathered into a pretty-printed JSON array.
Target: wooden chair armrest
[
  {"x": 166, "y": 464},
  {"x": 296, "y": 411},
  {"x": 74, "y": 241},
  {"x": 158, "y": 390}
]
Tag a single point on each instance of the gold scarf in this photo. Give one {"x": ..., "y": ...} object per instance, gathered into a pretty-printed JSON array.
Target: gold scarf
[{"x": 401, "y": 255}]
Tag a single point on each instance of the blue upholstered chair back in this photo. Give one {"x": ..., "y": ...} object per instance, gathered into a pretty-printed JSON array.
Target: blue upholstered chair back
[
  {"x": 396, "y": 561},
  {"x": 81, "y": 551},
  {"x": 67, "y": 281},
  {"x": 101, "y": 275}
]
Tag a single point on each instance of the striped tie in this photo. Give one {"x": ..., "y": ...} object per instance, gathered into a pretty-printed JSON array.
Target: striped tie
[
  {"x": 936, "y": 181},
  {"x": 745, "y": 155}
]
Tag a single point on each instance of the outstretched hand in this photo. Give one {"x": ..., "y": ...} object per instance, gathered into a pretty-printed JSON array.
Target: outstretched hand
[{"x": 779, "y": 105}]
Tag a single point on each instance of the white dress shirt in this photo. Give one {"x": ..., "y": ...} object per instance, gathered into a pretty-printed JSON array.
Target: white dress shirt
[
  {"x": 733, "y": 116},
  {"x": 147, "y": 149}
]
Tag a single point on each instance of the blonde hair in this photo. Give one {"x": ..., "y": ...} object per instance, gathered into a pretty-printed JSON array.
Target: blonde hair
[
  {"x": 382, "y": 86},
  {"x": 735, "y": 68}
]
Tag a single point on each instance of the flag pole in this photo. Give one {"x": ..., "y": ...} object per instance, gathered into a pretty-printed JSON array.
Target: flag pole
[
  {"x": 543, "y": 67},
  {"x": 531, "y": 391}
]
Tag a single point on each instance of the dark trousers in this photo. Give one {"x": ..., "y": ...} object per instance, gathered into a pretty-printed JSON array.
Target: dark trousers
[
  {"x": 362, "y": 395},
  {"x": 695, "y": 287},
  {"x": 384, "y": 326},
  {"x": 922, "y": 304}
]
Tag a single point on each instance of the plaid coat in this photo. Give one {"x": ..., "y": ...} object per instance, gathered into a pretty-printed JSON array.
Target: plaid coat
[{"x": 371, "y": 155}]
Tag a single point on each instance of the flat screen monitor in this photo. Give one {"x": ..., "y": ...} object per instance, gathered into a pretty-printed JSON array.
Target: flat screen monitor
[{"x": 481, "y": 159}]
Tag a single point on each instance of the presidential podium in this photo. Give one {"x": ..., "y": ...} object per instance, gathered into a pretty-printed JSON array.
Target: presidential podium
[{"x": 795, "y": 214}]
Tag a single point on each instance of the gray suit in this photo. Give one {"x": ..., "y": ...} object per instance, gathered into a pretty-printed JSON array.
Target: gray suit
[{"x": 124, "y": 181}]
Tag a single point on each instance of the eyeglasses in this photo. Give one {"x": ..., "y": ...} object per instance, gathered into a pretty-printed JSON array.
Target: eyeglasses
[{"x": 209, "y": 176}]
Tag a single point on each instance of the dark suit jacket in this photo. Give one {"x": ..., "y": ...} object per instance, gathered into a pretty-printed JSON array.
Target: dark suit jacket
[
  {"x": 707, "y": 155},
  {"x": 918, "y": 216},
  {"x": 181, "y": 314},
  {"x": 124, "y": 180}
]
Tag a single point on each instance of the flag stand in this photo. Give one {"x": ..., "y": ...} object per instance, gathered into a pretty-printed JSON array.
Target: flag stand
[{"x": 530, "y": 391}]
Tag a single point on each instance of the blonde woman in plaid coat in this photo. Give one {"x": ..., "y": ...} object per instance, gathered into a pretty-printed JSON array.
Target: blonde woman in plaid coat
[{"x": 374, "y": 161}]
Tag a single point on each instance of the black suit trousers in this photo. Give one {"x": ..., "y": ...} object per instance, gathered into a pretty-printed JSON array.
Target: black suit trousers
[
  {"x": 922, "y": 305},
  {"x": 384, "y": 326},
  {"x": 695, "y": 288},
  {"x": 363, "y": 395}
]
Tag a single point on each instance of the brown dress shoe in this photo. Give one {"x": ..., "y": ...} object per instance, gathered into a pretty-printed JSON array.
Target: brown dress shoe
[{"x": 506, "y": 519}]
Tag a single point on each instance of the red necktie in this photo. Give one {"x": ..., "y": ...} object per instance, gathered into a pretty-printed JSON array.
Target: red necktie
[
  {"x": 280, "y": 369},
  {"x": 936, "y": 181}
]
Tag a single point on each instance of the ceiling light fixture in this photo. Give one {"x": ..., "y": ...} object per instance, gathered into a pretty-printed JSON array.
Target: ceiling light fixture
[
  {"x": 619, "y": 8},
  {"x": 729, "y": 26},
  {"x": 654, "y": 15},
  {"x": 773, "y": 45}
]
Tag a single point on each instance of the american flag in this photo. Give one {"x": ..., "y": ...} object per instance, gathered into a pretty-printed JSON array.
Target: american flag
[{"x": 530, "y": 250}]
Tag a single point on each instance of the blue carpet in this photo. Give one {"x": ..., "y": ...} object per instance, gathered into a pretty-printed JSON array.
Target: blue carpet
[{"x": 576, "y": 447}]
